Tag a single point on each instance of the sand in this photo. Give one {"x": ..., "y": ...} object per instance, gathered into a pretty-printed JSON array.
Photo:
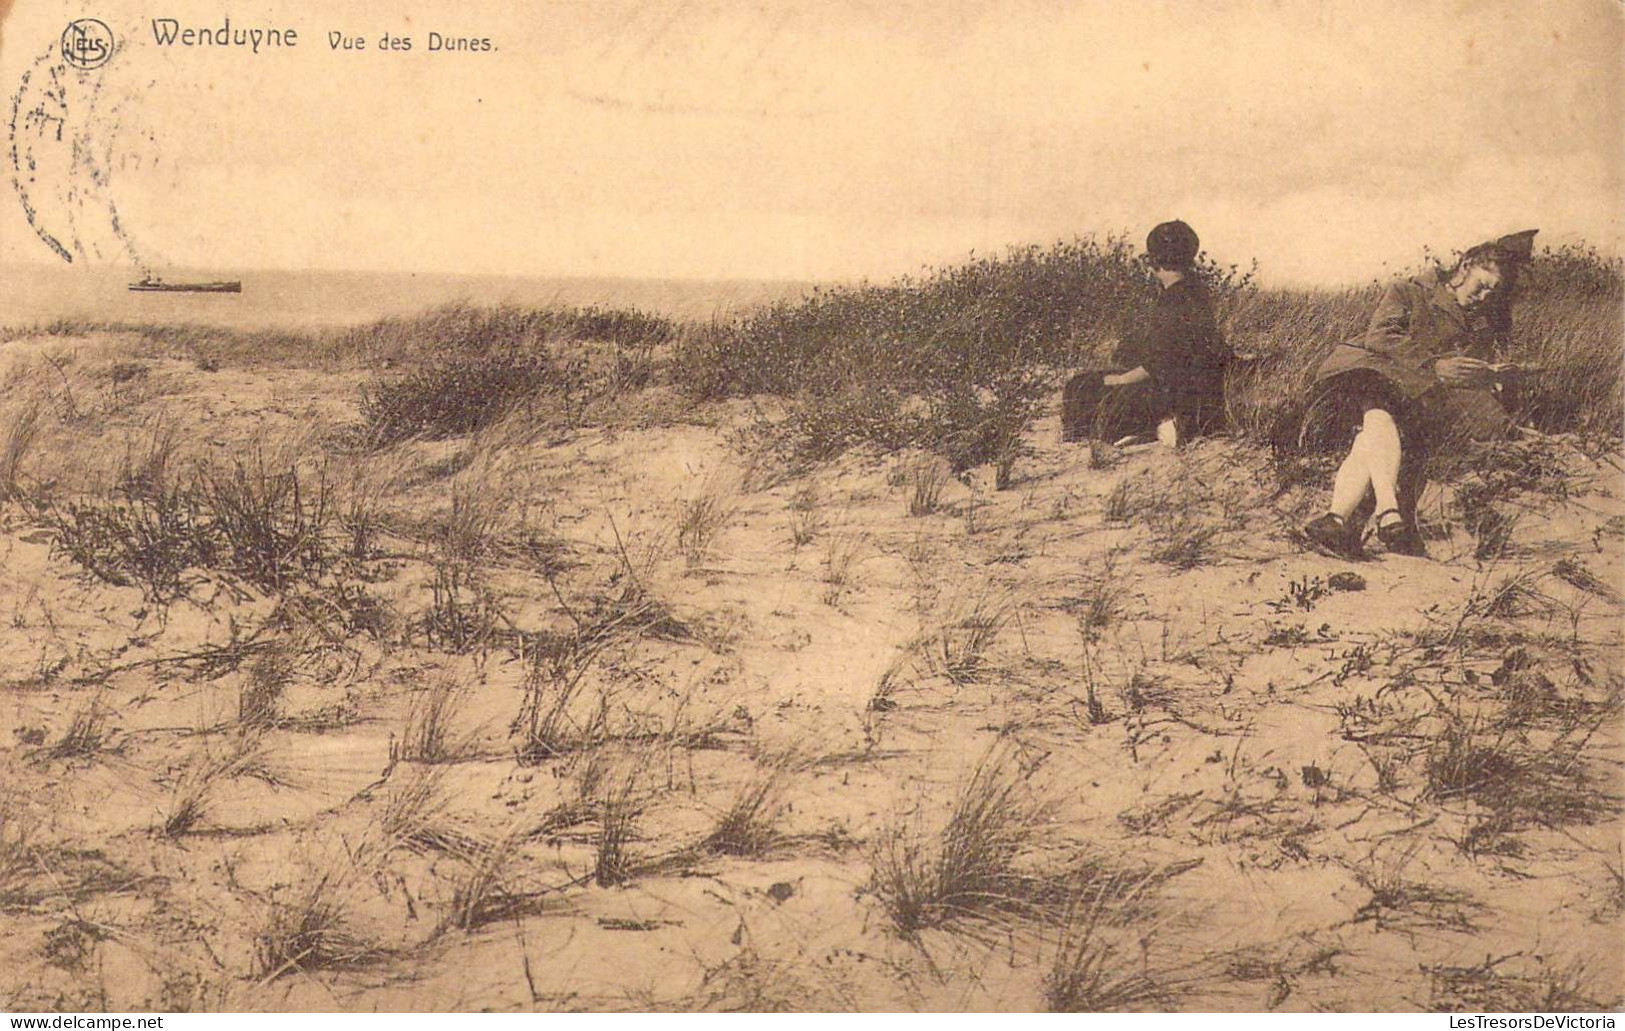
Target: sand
[{"x": 1229, "y": 786}]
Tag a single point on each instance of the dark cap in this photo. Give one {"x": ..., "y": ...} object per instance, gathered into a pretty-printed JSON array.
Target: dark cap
[
  {"x": 1172, "y": 245},
  {"x": 1512, "y": 249}
]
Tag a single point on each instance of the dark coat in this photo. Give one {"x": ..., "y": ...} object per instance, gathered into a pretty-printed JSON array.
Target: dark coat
[
  {"x": 1180, "y": 345},
  {"x": 1418, "y": 322}
]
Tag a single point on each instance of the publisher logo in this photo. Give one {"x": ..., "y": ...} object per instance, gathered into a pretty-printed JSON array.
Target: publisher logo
[{"x": 87, "y": 43}]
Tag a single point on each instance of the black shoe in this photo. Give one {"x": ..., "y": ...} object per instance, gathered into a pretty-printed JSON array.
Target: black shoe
[
  {"x": 1400, "y": 537},
  {"x": 1331, "y": 535}
]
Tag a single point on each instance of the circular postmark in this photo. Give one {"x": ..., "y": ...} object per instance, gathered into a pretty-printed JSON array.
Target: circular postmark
[
  {"x": 87, "y": 43},
  {"x": 70, "y": 136}
]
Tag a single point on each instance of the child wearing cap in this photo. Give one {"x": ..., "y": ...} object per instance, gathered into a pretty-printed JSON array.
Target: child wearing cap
[
  {"x": 1423, "y": 364},
  {"x": 1173, "y": 362}
]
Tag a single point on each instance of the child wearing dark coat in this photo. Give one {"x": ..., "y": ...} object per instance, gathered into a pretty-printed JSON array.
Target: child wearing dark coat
[{"x": 1172, "y": 364}]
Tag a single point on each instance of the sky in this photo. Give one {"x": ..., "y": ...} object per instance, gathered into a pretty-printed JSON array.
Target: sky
[{"x": 833, "y": 139}]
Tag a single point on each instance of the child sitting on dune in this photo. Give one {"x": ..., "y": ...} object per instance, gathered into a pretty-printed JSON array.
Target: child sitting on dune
[{"x": 1170, "y": 370}]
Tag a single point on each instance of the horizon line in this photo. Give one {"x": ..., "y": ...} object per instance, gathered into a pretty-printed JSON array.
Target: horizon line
[{"x": 1262, "y": 277}]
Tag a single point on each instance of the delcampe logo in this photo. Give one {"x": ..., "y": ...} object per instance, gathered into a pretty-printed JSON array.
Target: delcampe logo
[{"x": 87, "y": 43}]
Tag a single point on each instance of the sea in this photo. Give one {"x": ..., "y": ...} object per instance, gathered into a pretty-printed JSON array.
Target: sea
[{"x": 32, "y": 295}]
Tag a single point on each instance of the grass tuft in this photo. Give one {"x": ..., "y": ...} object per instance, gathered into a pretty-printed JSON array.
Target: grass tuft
[
  {"x": 1497, "y": 985},
  {"x": 1542, "y": 777},
  {"x": 311, "y": 931},
  {"x": 87, "y": 733},
  {"x": 484, "y": 894},
  {"x": 749, "y": 827},
  {"x": 463, "y": 613},
  {"x": 17, "y": 847},
  {"x": 843, "y": 553},
  {"x": 428, "y": 736},
  {"x": 270, "y": 520},
  {"x": 971, "y": 869},
  {"x": 263, "y": 523},
  {"x": 151, "y": 541},
  {"x": 15, "y": 443},
  {"x": 619, "y": 808},
  {"x": 806, "y": 515},
  {"x": 925, "y": 478},
  {"x": 1099, "y": 600},
  {"x": 1100, "y": 962},
  {"x": 259, "y": 702},
  {"x": 412, "y": 809},
  {"x": 191, "y": 800},
  {"x": 958, "y": 650},
  {"x": 705, "y": 515}
]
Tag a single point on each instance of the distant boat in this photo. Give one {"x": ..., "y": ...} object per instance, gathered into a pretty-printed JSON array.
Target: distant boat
[{"x": 153, "y": 284}]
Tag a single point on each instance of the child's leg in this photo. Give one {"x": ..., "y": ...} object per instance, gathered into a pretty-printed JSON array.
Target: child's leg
[
  {"x": 1413, "y": 480},
  {"x": 1168, "y": 432},
  {"x": 1352, "y": 482},
  {"x": 1379, "y": 440}
]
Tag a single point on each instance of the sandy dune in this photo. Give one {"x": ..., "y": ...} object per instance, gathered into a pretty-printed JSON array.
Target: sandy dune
[{"x": 1228, "y": 779}]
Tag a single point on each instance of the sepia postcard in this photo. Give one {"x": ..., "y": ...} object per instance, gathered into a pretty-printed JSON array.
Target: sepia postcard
[{"x": 792, "y": 506}]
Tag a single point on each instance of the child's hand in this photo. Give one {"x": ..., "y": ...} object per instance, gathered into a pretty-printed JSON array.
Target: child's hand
[
  {"x": 1462, "y": 371},
  {"x": 1126, "y": 379}
]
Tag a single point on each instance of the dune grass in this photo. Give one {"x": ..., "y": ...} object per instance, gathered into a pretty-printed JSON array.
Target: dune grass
[
  {"x": 457, "y": 327},
  {"x": 960, "y": 360},
  {"x": 972, "y": 868},
  {"x": 429, "y": 734},
  {"x": 957, "y": 650},
  {"x": 86, "y": 735},
  {"x": 17, "y": 433},
  {"x": 749, "y": 826},
  {"x": 1100, "y": 962},
  {"x": 309, "y": 928}
]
